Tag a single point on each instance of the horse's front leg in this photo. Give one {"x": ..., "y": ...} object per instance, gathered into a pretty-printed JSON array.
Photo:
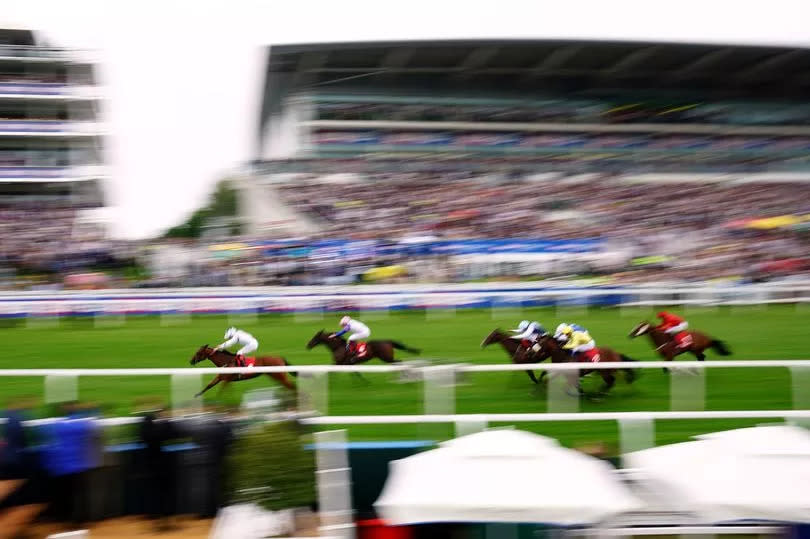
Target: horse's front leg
[
  {"x": 217, "y": 379},
  {"x": 667, "y": 353}
]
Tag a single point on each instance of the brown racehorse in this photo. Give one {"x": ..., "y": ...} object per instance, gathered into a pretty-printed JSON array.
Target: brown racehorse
[
  {"x": 517, "y": 353},
  {"x": 222, "y": 358},
  {"x": 383, "y": 350},
  {"x": 558, "y": 355},
  {"x": 668, "y": 348}
]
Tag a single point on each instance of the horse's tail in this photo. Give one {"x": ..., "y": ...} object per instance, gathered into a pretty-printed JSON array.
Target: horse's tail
[
  {"x": 287, "y": 364},
  {"x": 399, "y": 346},
  {"x": 630, "y": 374},
  {"x": 720, "y": 347}
]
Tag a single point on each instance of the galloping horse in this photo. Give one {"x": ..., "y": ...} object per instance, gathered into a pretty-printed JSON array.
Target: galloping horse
[
  {"x": 222, "y": 358},
  {"x": 517, "y": 353},
  {"x": 383, "y": 350},
  {"x": 668, "y": 348},
  {"x": 558, "y": 355}
]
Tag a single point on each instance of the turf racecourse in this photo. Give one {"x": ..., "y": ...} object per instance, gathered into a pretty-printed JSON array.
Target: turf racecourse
[{"x": 773, "y": 332}]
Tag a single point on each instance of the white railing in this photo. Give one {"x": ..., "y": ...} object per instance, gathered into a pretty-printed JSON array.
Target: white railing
[
  {"x": 636, "y": 429},
  {"x": 546, "y": 417},
  {"x": 460, "y": 367},
  {"x": 687, "y": 380},
  {"x": 323, "y": 298}
]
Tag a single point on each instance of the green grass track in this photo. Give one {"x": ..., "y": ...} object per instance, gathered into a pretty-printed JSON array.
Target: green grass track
[{"x": 768, "y": 333}]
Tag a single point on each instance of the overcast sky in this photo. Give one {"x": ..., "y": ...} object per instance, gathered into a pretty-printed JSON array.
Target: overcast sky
[{"x": 183, "y": 77}]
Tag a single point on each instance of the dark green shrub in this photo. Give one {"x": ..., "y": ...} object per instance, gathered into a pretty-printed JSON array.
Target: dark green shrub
[{"x": 269, "y": 465}]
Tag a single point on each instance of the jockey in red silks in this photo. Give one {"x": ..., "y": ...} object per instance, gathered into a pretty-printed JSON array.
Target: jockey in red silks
[{"x": 672, "y": 325}]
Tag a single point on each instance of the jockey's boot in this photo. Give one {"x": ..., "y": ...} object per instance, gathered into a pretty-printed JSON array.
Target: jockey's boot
[{"x": 350, "y": 355}]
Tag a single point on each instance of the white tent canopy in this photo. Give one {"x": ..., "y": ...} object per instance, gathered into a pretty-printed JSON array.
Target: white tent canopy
[
  {"x": 503, "y": 475},
  {"x": 759, "y": 473}
]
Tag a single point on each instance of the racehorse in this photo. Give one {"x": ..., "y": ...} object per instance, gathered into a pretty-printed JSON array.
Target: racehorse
[
  {"x": 517, "y": 353},
  {"x": 383, "y": 350},
  {"x": 223, "y": 358},
  {"x": 558, "y": 355},
  {"x": 696, "y": 342}
]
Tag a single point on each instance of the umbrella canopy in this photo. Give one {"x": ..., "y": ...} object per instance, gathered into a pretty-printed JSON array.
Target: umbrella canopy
[
  {"x": 503, "y": 476},
  {"x": 759, "y": 473}
]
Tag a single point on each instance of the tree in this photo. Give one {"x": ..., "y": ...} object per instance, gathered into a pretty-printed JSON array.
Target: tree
[
  {"x": 270, "y": 466},
  {"x": 221, "y": 203}
]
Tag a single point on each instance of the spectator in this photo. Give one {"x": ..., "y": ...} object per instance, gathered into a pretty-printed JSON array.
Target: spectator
[{"x": 70, "y": 455}]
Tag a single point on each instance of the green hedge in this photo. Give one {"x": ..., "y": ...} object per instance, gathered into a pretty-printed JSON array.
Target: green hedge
[{"x": 269, "y": 465}]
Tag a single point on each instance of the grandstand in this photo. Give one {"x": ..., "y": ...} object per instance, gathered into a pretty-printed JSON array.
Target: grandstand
[
  {"x": 51, "y": 173},
  {"x": 563, "y": 141}
]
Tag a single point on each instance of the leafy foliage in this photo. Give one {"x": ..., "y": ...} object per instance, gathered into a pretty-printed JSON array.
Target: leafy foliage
[
  {"x": 222, "y": 203},
  {"x": 270, "y": 466}
]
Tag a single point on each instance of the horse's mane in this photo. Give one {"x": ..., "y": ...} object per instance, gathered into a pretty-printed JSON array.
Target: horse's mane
[{"x": 227, "y": 352}]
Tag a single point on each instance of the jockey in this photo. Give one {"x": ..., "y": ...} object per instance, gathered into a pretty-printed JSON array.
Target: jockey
[
  {"x": 237, "y": 336},
  {"x": 671, "y": 324},
  {"x": 358, "y": 329},
  {"x": 579, "y": 341},
  {"x": 564, "y": 331},
  {"x": 529, "y": 331}
]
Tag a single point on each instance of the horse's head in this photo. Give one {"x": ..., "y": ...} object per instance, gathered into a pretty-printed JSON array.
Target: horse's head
[
  {"x": 495, "y": 336},
  {"x": 316, "y": 339},
  {"x": 641, "y": 329},
  {"x": 203, "y": 352}
]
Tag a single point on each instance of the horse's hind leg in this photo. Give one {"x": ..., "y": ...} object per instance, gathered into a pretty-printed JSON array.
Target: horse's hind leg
[
  {"x": 211, "y": 384},
  {"x": 609, "y": 380}
]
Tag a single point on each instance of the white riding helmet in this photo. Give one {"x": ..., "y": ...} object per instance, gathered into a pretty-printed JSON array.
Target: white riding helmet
[
  {"x": 523, "y": 325},
  {"x": 345, "y": 321},
  {"x": 230, "y": 332}
]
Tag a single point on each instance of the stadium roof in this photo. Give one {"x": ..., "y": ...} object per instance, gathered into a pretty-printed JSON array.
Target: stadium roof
[{"x": 539, "y": 66}]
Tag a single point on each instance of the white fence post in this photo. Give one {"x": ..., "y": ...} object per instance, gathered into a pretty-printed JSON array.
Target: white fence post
[
  {"x": 109, "y": 314},
  {"x": 333, "y": 477},
  {"x": 560, "y": 396},
  {"x": 184, "y": 387},
  {"x": 636, "y": 434},
  {"x": 470, "y": 426},
  {"x": 800, "y": 386},
  {"x": 242, "y": 314},
  {"x": 687, "y": 388},
  {"x": 439, "y": 397},
  {"x": 172, "y": 315},
  {"x": 313, "y": 392},
  {"x": 61, "y": 388},
  {"x": 43, "y": 316}
]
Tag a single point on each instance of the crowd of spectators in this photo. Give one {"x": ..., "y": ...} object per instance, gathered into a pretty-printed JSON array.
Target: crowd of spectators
[
  {"x": 699, "y": 226},
  {"x": 569, "y": 110},
  {"x": 49, "y": 240}
]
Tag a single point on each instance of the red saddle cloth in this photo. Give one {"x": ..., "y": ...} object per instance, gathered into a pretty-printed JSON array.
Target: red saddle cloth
[
  {"x": 359, "y": 349},
  {"x": 683, "y": 339},
  {"x": 591, "y": 356},
  {"x": 245, "y": 361}
]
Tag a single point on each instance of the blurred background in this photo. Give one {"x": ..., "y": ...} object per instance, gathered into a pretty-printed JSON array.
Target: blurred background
[{"x": 435, "y": 170}]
